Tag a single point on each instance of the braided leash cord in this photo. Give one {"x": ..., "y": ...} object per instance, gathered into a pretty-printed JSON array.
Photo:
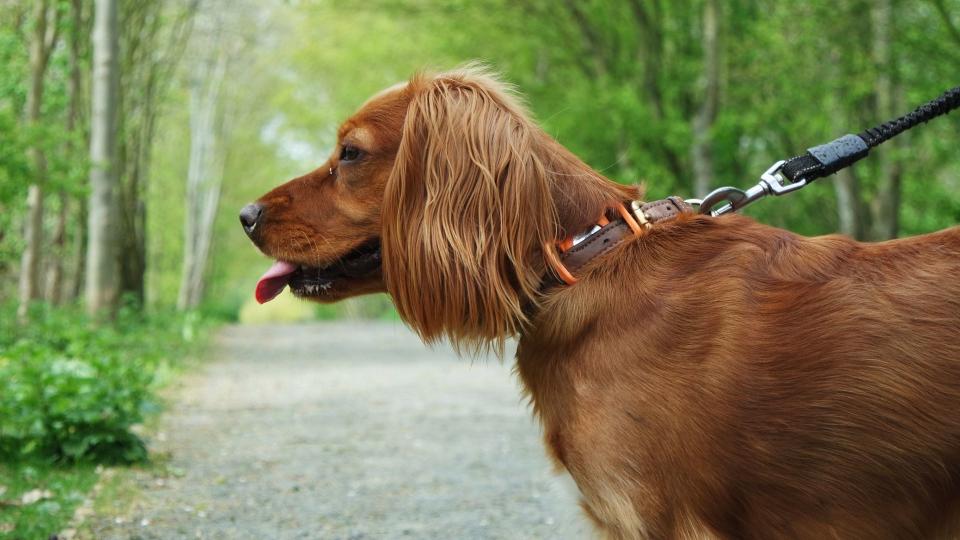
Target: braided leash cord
[
  {"x": 928, "y": 111},
  {"x": 829, "y": 158},
  {"x": 823, "y": 160}
]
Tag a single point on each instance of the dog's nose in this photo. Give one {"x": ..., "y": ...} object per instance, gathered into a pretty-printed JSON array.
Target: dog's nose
[{"x": 250, "y": 217}]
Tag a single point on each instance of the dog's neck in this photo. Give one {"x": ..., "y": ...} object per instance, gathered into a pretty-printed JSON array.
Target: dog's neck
[
  {"x": 580, "y": 194},
  {"x": 483, "y": 271}
]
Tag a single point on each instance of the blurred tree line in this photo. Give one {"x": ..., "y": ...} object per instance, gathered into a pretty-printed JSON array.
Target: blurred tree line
[
  {"x": 86, "y": 84},
  {"x": 683, "y": 96},
  {"x": 79, "y": 107}
]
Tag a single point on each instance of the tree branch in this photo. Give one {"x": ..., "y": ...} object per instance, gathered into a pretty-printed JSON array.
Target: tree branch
[
  {"x": 52, "y": 31},
  {"x": 947, "y": 21},
  {"x": 650, "y": 55},
  {"x": 532, "y": 9},
  {"x": 601, "y": 63}
]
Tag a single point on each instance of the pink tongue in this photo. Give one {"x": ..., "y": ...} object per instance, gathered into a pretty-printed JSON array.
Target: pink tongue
[{"x": 274, "y": 280}]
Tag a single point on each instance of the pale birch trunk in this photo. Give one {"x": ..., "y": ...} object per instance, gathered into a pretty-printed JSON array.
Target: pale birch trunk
[
  {"x": 76, "y": 281},
  {"x": 102, "y": 256},
  {"x": 152, "y": 44},
  {"x": 847, "y": 188},
  {"x": 54, "y": 288},
  {"x": 57, "y": 292},
  {"x": 886, "y": 207},
  {"x": 702, "y": 154},
  {"x": 204, "y": 173},
  {"x": 852, "y": 214},
  {"x": 41, "y": 44},
  {"x": 651, "y": 53}
]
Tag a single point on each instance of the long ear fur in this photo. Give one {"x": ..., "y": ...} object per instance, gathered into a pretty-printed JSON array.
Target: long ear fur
[{"x": 470, "y": 205}]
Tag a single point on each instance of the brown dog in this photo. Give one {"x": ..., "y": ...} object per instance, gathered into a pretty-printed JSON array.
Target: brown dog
[{"x": 705, "y": 378}]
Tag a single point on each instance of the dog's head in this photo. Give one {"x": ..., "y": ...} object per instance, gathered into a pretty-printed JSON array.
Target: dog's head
[
  {"x": 325, "y": 228},
  {"x": 439, "y": 191}
]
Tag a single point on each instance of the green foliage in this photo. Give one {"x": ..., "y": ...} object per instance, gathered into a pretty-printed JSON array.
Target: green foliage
[
  {"x": 74, "y": 395},
  {"x": 13, "y": 162},
  {"x": 74, "y": 391},
  {"x": 621, "y": 92},
  {"x": 616, "y": 82}
]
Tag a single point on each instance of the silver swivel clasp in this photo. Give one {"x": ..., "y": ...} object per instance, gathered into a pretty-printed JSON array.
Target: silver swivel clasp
[{"x": 731, "y": 199}]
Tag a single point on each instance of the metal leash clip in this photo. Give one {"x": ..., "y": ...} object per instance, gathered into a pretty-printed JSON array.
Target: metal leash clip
[{"x": 772, "y": 182}]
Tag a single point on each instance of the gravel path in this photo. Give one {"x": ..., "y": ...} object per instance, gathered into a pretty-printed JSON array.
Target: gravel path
[{"x": 347, "y": 431}]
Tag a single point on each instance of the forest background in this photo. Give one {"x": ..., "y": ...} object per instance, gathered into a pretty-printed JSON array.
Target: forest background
[
  {"x": 131, "y": 132},
  {"x": 215, "y": 101}
]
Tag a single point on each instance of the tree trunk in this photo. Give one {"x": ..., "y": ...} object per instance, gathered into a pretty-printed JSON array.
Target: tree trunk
[
  {"x": 847, "y": 188},
  {"x": 204, "y": 175},
  {"x": 55, "y": 270},
  {"x": 886, "y": 208},
  {"x": 57, "y": 292},
  {"x": 651, "y": 54},
  {"x": 152, "y": 42},
  {"x": 103, "y": 255},
  {"x": 702, "y": 154},
  {"x": 33, "y": 237},
  {"x": 74, "y": 288},
  {"x": 853, "y": 216},
  {"x": 42, "y": 43}
]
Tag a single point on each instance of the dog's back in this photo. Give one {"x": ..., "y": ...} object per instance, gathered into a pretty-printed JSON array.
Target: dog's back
[
  {"x": 851, "y": 388},
  {"x": 741, "y": 381}
]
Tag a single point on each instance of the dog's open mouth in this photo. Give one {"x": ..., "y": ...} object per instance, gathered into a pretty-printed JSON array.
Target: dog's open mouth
[{"x": 307, "y": 281}]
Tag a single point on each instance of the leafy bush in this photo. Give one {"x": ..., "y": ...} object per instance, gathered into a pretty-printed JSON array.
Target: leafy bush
[{"x": 74, "y": 390}]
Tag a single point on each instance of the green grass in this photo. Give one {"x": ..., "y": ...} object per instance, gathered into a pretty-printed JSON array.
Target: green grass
[{"x": 61, "y": 488}]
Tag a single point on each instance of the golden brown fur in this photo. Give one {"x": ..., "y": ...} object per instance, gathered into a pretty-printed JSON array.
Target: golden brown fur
[
  {"x": 712, "y": 378},
  {"x": 461, "y": 258}
]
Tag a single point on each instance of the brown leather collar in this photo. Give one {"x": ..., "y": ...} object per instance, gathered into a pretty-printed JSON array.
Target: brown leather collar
[{"x": 613, "y": 233}]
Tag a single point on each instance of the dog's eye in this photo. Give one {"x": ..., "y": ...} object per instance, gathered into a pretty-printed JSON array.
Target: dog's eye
[{"x": 349, "y": 153}]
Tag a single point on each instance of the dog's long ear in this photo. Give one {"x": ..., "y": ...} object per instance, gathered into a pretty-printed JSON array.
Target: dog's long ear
[{"x": 466, "y": 211}]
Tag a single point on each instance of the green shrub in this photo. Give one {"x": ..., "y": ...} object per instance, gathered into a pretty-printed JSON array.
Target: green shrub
[{"x": 73, "y": 390}]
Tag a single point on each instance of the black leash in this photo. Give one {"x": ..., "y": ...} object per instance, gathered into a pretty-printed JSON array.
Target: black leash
[{"x": 792, "y": 174}]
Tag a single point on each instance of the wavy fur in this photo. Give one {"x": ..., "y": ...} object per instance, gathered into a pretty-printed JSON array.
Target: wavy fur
[{"x": 477, "y": 194}]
